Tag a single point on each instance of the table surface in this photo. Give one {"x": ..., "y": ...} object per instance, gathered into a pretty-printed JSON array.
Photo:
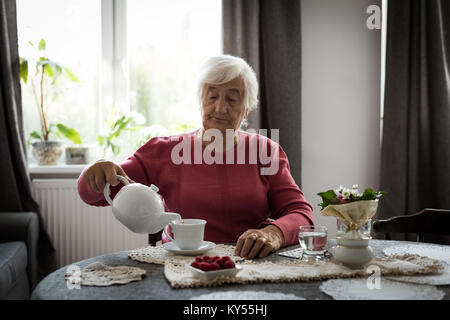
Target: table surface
[{"x": 155, "y": 286}]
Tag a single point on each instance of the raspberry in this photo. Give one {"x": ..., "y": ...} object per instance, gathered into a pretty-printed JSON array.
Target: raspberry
[
  {"x": 214, "y": 266},
  {"x": 195, "y": 264},
  {"x": 204, "y": 266},
  {"x": 229, "y": 264},
  {"x": 198, "y": 259}
]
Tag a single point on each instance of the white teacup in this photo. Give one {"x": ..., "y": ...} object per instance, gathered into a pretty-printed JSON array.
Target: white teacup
[{"x": 188, "y": 235}]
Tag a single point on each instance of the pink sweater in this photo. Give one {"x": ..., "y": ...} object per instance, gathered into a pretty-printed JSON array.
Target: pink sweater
[{"x": 232, "y": 198}]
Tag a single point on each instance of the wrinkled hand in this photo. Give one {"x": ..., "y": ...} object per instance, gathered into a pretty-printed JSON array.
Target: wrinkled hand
[
  {"x": 101, "y": 172},
  {"x": 259, "y": 242}
]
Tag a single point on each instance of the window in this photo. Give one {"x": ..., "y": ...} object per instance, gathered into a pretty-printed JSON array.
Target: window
[{"x": 138, "y": 56}]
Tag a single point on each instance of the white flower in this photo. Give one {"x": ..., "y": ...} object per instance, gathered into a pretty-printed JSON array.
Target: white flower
[
  {"x": 346, "y": 193},
  {"x": 339, "y": 190},
  {"x": 355, "y": 187}
]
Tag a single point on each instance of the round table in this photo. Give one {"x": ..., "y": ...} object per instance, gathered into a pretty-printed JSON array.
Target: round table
[{"x": 155, "y": 286}]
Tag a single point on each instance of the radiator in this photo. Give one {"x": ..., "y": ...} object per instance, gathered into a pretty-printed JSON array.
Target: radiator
[{"x": 79, "y": 231}]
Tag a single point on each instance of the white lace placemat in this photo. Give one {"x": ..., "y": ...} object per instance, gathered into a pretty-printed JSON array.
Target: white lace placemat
[
  {"x": 441, "y": 253},
  {"x": 281, "y": 270},
  {"x": 247, "y": 295},
  {"x": 98, "y": 274},
  {"x": 358, "y": 289},
  {"x": 294, "y": 270}
]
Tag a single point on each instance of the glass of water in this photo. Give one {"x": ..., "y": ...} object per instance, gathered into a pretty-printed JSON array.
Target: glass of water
[{"x": 313, "y": 239}]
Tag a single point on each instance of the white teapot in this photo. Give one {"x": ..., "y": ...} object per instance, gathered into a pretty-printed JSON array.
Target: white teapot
[{"x": 139, "y": 207}]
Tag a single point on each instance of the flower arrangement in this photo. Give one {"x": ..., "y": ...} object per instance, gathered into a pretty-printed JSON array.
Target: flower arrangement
[
  {"x": 342, "y": 195},
  {"x": 350, "y": 206}
]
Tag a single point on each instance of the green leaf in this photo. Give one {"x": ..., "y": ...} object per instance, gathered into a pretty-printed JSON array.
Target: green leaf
[
  {"x": 69, "y": 73},
  {"x": 327, "y": 198},
  {"x": 101, "y": 140},
  {"x": 69, "y": 133},
  {"x": 23, "y": 69},
  {"x": 48, "y": 70},
  {"x": 35, "y": 135},
  {"x": 42, "y": 44},
  {"x": 115, "y": 149}
]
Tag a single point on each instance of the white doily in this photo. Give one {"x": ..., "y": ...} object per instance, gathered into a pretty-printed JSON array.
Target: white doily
[
  {"x": 358, "y": 289},
  {"x": 159, "y": 255},
  {"x": 441, "y": 253},
  {"x": 246, "y": 295},
  {"x": 97, "y": 274},
  {"x": 433, "y": 251}
]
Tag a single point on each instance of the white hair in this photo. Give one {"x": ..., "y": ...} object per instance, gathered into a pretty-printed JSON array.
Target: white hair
[{"x": 224, "y": 68}]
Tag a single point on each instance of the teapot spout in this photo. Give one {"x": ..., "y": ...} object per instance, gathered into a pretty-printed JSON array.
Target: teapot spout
[
  {"x": 169, "y": 216},
  {"x": 163, "y": 220}
]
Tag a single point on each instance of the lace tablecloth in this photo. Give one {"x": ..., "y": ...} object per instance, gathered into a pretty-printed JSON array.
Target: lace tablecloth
[{"x": 285, "y": 270}]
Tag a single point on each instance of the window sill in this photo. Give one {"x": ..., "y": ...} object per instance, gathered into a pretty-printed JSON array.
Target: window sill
[{"x": 59, "y": 171}]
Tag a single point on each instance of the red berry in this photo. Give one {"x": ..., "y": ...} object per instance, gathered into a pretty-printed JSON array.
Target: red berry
[
  {"x": 214, "y": 266},
  {"x": 229, "y": 264},
  {"x": 204, "y": 266},
  {"x": 215, "y": 258},
  {"x": 195, "y": 264},
  {"x": 198, "y": 259},
  {"x": 221, "y": 261}
]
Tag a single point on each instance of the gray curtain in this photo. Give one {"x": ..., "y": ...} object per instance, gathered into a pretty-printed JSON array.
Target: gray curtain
[
  {"x": 15, "y": 194},
  {"x": 415, "y": 156},
  {"x": 266, "y": 33}
]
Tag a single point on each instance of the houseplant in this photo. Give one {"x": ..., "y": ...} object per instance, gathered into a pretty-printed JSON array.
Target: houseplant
[
  {"x": 44, "y": 149},
  {"x": 115, "y": 125}
]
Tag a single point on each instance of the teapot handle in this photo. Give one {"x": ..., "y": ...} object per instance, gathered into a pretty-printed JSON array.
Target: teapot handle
[
  {"x": 166, "y": 233},
  {"x": 106, "y": 190}
]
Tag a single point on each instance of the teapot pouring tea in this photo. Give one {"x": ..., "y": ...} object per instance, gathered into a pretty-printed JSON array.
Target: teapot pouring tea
[{"x": 139, "y": 208}]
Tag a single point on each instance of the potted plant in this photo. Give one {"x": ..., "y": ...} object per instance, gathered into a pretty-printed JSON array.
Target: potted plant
[
  {"x": 115, "y": 124},
  {"x": 76, "y": 153},
  {"x": 45, "y": 150}
]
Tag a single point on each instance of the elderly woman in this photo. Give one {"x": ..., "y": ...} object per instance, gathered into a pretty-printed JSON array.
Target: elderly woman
[{"x": 260, "y": 212}]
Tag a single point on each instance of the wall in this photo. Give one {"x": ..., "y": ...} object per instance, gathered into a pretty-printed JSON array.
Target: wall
[{"x": 340, "y": 99}]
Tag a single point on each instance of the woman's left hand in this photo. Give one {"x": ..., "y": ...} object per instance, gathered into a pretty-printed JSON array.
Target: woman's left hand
[{"x": 259, "y": 242}]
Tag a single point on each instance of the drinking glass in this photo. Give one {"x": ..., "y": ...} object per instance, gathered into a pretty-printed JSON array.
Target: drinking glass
[{"x": 313, "y": 239}]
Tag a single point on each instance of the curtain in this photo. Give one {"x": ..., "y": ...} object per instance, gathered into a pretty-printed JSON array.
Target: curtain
[
  {"x": 15, "y": 195},
  {"x": 415, "y": 155},
  {"x": 266, "y": 33}
]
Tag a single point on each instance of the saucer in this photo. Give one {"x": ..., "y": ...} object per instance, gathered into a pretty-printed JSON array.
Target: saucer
[{"x": 206, "y": 245}]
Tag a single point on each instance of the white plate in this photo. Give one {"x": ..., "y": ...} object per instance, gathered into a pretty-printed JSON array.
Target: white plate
[
  {"x": 206, "y": 245},
  {"x": 209, "y": 275},
  {"x": 357, "y": 289}
]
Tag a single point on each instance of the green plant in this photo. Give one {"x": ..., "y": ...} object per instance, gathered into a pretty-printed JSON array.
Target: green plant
[
  {"x": 117, "y": 123},
  {"x": 343, "y": 195},
  {"x": 45, "y": 70}
]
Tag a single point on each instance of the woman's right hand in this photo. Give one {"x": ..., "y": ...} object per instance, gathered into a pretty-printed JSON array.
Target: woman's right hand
[{"x": 101, "y": 172}]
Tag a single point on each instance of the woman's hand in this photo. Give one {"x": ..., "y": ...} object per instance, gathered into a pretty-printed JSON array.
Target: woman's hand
[
  {"x": 101, "y": 172},
  {"x": 259, "y": 242}
]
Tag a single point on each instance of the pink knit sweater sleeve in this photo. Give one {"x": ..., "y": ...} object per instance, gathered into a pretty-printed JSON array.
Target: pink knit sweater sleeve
[
  {"x": 132, "y": 167},
  {"x": 288, "y": 205}
]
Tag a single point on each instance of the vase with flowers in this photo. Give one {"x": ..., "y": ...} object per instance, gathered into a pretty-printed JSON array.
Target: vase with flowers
[{"x": 354, "y": 211}]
